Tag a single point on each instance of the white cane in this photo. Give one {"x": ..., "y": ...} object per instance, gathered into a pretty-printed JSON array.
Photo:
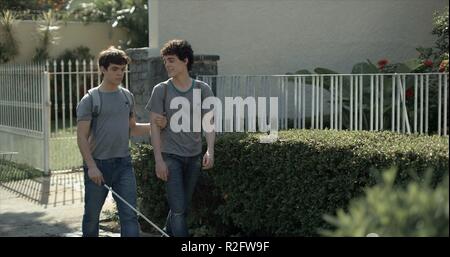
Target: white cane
[{"x": 138, "y": 212}]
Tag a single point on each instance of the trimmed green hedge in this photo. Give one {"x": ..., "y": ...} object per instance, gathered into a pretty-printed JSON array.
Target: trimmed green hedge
[{"x": 285, "y": 188}]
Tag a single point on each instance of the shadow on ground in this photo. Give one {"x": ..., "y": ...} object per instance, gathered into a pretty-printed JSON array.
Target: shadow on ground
[
  {"x": 32, "y": 224},
  {"x": 49, "y": 191}
]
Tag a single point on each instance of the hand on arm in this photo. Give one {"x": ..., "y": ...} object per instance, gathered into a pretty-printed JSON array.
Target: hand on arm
[{"x": 142, "y": 129}]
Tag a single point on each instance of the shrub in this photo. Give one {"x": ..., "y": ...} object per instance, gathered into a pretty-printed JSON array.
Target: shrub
[
  {"x": 417, "y": 210},
  {"x": 284, "y": 188},
  {"x": 129, "y": 14},
  {"x": 79, "y": 53}
]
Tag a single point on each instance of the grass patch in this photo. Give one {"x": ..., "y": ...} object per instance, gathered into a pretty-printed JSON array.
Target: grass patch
[
  {"x": 64, "y": 129},
  {"x": 11, "y": 171},
  {"x": 64, "y": 153}
]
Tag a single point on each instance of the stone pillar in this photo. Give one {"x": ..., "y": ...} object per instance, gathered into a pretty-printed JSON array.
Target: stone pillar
[{"x": 147, "y": 70}]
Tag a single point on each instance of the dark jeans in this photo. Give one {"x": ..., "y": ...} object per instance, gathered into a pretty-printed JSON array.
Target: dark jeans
[
  {"x": 180, "y": 185},
  {"x": 118, "y": 174}
]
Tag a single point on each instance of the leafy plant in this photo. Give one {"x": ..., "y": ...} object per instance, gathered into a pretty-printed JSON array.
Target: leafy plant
[
  {"x": 79, "y": 53},
  {"x": 48, "y": 27},
  {"x": 440, "y": 29},
  {"x": 129, "y": 14},
  {"x": 8, "y": 48},
  {"x": 388, "y": 210},
  {"x": 429, "y": 60},
  {"x": 37, "y": 5},
  {"x": 367, "y": 67}
]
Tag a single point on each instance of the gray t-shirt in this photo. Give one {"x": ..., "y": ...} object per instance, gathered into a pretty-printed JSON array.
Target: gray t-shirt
[
  {"x": 111, "y": 136},
  {"x": 186, "y": 144}
]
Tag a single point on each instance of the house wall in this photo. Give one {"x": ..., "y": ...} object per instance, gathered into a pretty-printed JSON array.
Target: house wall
[
  {"x": 96, "y": 36},
  {"x": 279, "y": 36}
]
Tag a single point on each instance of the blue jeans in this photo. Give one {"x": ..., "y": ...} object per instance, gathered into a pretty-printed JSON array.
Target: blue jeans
[
  {"x": 118, "y": 174},
  {"x": 180, "y": 185}
]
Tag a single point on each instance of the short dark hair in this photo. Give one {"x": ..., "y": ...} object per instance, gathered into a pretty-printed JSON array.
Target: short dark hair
[
  {"x": 112, "y": 55},
  {"x": 181, "y": 48}
]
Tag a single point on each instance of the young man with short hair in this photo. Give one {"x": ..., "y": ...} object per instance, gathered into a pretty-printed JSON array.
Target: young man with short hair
[
  {"x": 105, "y": 121},
  {"x": 178, "y": 154}
]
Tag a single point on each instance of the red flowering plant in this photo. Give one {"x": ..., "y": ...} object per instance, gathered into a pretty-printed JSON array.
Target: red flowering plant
[
  {"x": 429, "y": 60},
  {"x": 428, "y": 63},
  {"x": 385, "y": 66},
  {"x": 409, "y": 97},
  {"x": 382, "y": 63},
  {"x": 409, "y": 93}
]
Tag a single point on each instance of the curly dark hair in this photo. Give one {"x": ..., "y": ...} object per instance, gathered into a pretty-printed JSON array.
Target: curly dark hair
[
  {"x": 181, "y": 48},
  {"x": 114, "y": 56}
]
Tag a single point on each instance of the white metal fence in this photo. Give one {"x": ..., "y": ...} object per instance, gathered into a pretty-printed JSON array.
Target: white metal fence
[
  {"x": 406, "y": 103},
  {"x": 24, "y": 99},
  {"x": 38, "y": 105},
  {"x": 38, "y": 111}
]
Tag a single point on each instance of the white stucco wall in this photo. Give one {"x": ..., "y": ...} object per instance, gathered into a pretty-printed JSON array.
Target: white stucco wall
[
  {"x": 96, "y": 36},
  {"x": 279, "y": 36}
]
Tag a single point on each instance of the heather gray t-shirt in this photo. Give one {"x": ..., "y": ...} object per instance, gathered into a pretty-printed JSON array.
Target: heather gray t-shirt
[
  {"x": 186, "y": 144},
  {"x": 111, "y": 136}
]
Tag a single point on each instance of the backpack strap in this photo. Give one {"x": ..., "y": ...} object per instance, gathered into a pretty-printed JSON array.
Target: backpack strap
[
  {"x": 165, "y": 85},
  {"x": 96, "y": 101},
  {"x": 96, "y": 106},
  {"x": 128, "y": 98}
]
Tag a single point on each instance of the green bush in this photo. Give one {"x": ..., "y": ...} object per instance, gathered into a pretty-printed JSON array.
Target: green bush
[
  {"x": 79, "y": 53},
  {"x": 285, "y": 188},
  {"x": 150, "y": 191},
  {"x": 440, "y": 30},
  {"x": 386, "y": 210},
  {"x": 132, "y": 15},
  {"x": 37, "y": 5}
]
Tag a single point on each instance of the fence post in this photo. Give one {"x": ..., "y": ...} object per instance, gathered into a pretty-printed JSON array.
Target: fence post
[{"x": 46, "y": 109}]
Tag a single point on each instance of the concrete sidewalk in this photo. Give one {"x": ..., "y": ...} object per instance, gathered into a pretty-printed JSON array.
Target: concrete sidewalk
[{"x": 46, "y": 207}]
